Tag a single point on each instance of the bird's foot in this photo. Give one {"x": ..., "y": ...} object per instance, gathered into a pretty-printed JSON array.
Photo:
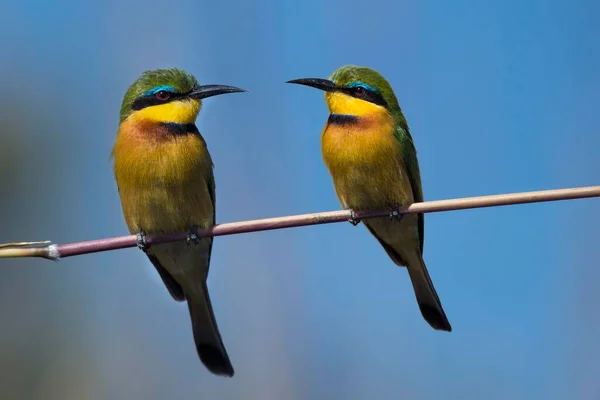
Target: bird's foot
[
  {"x": 354, "y": 220},
  {"x": 141, "y": 241},
  {"x": 192, "y": 236},
  {"x": 395, "y": 214}
]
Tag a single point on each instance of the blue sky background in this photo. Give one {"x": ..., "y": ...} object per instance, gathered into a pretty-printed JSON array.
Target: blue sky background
[{"x": 500, "y": 97}]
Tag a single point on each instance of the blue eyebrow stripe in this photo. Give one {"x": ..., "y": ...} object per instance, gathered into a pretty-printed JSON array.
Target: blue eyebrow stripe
[
  {"x": 364, "y": 85},
  {"x": 157, "y": 89}
]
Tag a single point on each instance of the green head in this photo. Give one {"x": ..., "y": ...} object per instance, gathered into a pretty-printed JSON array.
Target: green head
[
  {"x": 168, "y": 95},
  {"x": 353, "y": 90}
]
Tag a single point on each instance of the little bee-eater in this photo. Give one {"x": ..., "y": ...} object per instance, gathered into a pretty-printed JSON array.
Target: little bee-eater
[
  {"x": 370, "y": 154},
  {"x": 165, "y": 179}
]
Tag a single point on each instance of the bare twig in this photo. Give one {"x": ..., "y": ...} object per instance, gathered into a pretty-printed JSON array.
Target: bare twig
[
  {"x": 56, "y": 251},
  {"x": 24, "y": 244}
]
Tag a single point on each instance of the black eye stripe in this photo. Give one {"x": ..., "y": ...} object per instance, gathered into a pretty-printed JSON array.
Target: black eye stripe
[
  {"x": 367, "y": 95},
  {"x": 152, "y": 100}
]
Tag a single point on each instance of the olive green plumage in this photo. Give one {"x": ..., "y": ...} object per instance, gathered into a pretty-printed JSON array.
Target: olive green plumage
[
  {"x": 351, "y": 73},
  {"x": 370, "y": 154},
  {"x": 164, "y": 175},
  {"x": 176, "y": 78}
]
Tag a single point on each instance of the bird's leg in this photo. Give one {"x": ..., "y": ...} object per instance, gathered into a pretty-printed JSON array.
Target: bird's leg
[
  {"x": 141, "y": 241},
  {"x": 353, "y": 218},
  {"x": 192, "y": 236},
  {"x": 395, "y": 214}
]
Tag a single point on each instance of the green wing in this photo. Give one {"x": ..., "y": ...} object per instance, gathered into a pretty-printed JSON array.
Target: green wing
[
  {"x": 172, "y": 286},
  {"x": 213, "y": 197},
  {"x": 409, "y": 153}
]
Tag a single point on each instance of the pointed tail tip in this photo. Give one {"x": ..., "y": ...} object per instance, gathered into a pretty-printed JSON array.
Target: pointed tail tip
[
  {"x": 215, "y": 360},
  {"x": 436, "y": 318}
]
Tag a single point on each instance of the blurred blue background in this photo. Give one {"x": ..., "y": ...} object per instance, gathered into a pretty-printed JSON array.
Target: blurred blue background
[{"x": 500, "y": 97}]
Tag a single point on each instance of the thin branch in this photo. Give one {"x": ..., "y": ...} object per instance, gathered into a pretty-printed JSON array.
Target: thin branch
[
  {"x": 56, "y": 251},
  {"x": 24, "y": 244}
]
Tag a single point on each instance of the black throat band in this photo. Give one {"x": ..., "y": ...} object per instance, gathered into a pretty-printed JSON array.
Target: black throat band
[
  {"x": 180, "y": 129},
  {"x": 342, "y": 119}
]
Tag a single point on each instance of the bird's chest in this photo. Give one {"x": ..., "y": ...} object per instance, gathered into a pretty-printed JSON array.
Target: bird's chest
[
  {"x": 163, "y": 185},
  {"x": 365, "y": 162}
]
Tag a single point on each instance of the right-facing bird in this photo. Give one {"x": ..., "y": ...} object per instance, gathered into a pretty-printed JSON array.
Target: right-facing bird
[
  {"x": 165, "y": 179},
  {"x": 370, "y": 154}
]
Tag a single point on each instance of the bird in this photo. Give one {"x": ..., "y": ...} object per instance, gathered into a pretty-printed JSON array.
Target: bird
[
  {"x": 165, "y": 180},
  {"x": 370, "y": 154}
]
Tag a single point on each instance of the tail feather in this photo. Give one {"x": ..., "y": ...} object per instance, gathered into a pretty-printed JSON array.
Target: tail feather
[
  {"x": 208, "y": 340},
  {"x": 427, "y": 298}
]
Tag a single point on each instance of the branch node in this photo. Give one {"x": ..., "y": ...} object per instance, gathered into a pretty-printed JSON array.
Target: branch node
[
  {"x": 53, "y": 252},
  {"x": 354, "y": 220}
]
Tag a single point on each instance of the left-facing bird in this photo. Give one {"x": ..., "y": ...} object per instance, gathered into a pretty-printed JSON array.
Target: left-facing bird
[{"x": 164, "y": 174}]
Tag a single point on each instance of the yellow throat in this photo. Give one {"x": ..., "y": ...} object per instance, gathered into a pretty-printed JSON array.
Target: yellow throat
[
  {"x": 341, "y": 103},
  {"x": 178, "y": 111}
]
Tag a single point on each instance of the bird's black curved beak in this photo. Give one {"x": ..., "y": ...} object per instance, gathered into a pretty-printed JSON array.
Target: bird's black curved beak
[
  {"x": 323, "y": 84},
  {"x": 202, "y": 92}
]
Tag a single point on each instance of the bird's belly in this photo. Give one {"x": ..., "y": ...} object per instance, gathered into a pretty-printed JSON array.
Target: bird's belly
[
  {"x": 366, "y": 164},
  {"x": 366, "y": 168},
  {"x": 157, "y": 208},
  {"x": 365, "y": 189},
  {"x": 362, "y": 187},
  {"x": 164, "y": 188},
  {"x": 168, "y": 208}
]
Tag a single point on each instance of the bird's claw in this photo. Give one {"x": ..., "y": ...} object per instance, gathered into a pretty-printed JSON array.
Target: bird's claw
[
  {"x": 141, "y": 241},
  {"x": 354, "y": 220},
  {"x": 192, "y": 237},
  {"x": 396, "y": 215}
]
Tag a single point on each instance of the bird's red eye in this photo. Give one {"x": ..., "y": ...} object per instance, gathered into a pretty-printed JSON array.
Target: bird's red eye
[
  {"x": 360, "y": 91},
  {"x": 162, "y": 95}
]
